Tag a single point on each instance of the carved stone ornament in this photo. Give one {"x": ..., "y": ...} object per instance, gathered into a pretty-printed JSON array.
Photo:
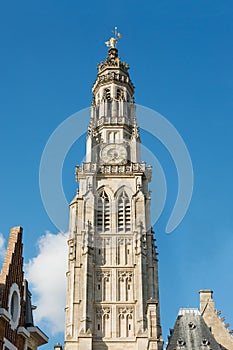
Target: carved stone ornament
[
  {"x": 72, "y": 249},
  {"x": 103, "y": 311},
  {"x": 103, "y": 275},
  {"x": 122, "y": 275},
  {"x": 125, "y": 311}
]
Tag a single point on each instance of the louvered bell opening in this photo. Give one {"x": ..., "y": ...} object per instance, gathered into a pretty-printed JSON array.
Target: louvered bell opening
[
  {"x": 106, "y": 215},
  {"x": 99, "y": 216},
  {"x": 120, "y": 215},
  {"x": 127, "y": 216}
]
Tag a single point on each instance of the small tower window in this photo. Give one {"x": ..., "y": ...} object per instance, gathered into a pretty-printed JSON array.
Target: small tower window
[
  {"x": 120, "y": 95},
  {"x": 107, "y": 95}
]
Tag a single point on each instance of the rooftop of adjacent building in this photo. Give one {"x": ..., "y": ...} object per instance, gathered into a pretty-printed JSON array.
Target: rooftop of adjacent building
[
  {"x": 195, "y": 329},
  {"x": 191, "y": 332}
]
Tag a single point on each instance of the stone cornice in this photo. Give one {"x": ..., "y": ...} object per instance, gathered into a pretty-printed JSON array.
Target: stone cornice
[{"x": 123, "y": 170}]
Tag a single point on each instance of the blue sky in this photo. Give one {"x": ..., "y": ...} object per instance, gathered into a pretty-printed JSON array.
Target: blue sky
[{"x": 180, "y": 53}]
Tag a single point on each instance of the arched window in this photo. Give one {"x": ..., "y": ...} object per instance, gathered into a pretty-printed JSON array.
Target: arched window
[
  {"x": 124, "y": 213},
  {"x": 120, "y": 95},
  {"x": 107, "y": 95},
  {"x": 103, "y": 213}
]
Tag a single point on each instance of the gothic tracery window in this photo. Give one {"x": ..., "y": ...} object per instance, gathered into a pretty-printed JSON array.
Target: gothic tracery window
[
  {"x": 124, "y": 213},
  {"x": 103, "y": 212}
]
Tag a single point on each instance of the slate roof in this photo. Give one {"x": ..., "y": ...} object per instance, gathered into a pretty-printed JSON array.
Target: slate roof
[{"x": 191, "y": 333}]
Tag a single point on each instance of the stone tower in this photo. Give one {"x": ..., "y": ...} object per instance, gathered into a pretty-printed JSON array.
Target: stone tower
[{"x": 112, "y": 279}]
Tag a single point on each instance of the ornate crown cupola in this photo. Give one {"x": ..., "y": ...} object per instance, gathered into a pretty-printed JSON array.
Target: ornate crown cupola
[
  {"x": 113, "y": 132},
  {"x": 114, "y": 71}
]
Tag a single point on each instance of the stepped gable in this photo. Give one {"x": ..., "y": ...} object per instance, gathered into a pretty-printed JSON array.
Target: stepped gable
[
  {"x": 191, "y": 332},
  {"x": 17, "y": 329},
  {"x": 12, "y": 268},
  {"x": 13, "y": 262},
  {"x": 214, "y": 320},
  {"x": 12, "y": 275}
]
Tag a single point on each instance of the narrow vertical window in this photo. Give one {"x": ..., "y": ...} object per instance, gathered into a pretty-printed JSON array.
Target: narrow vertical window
[
  {"x": 127, "y": 215},
  {"x": 120, "y": 95},
  {"x": 124, "y": 213},
  {"x": 106, "y": 215},
  {"x": 99, "y": 218},
  {"x": 103, "y": 213},
  {"x": 107, "y": 95}
]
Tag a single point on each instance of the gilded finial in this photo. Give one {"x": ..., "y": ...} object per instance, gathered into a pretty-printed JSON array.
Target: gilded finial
[{"x": 112, "y": 42}]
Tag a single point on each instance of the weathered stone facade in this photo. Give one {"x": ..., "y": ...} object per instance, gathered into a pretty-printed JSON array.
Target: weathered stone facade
[{"x": 112, "y": 278}]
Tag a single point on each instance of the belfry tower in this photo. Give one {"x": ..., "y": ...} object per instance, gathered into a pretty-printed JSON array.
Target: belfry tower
[{"x": 112, "y": 278}]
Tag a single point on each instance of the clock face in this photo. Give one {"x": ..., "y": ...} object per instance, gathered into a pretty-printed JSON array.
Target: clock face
[{"x": 114, "y": 154}]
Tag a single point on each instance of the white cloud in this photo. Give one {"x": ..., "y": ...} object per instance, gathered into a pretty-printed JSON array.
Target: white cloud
[{"x": 46, "y": 275}]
